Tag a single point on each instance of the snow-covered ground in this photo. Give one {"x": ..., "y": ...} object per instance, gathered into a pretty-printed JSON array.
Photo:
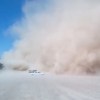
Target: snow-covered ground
[{"x": 26, "y": 86}]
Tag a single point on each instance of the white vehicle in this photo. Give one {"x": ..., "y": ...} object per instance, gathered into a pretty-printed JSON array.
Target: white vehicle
[{"x": 35, "y": 72}]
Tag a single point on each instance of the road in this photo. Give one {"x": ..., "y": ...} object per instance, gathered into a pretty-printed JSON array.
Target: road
[{"x": 26, "y": 86}]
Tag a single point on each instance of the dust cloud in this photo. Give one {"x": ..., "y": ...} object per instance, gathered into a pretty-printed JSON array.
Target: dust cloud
[{"x": 57, "y": 36}]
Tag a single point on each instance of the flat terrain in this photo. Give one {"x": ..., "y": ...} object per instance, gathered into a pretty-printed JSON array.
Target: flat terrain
[{"x": 26, "y": 86}]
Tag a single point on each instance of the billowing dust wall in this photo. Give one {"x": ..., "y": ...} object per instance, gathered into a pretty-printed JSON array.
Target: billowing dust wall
[{"x": 57, "y": 36}]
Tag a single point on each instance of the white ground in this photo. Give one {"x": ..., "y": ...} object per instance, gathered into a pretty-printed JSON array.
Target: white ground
[{"x": 25, "y": 86}]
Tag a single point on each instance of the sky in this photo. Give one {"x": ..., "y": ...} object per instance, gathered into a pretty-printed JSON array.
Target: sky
[{"x": 10, "y": 11}]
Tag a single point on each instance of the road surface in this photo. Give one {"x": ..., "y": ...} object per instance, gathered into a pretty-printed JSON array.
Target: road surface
[{"x": 26, "y": 86}]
